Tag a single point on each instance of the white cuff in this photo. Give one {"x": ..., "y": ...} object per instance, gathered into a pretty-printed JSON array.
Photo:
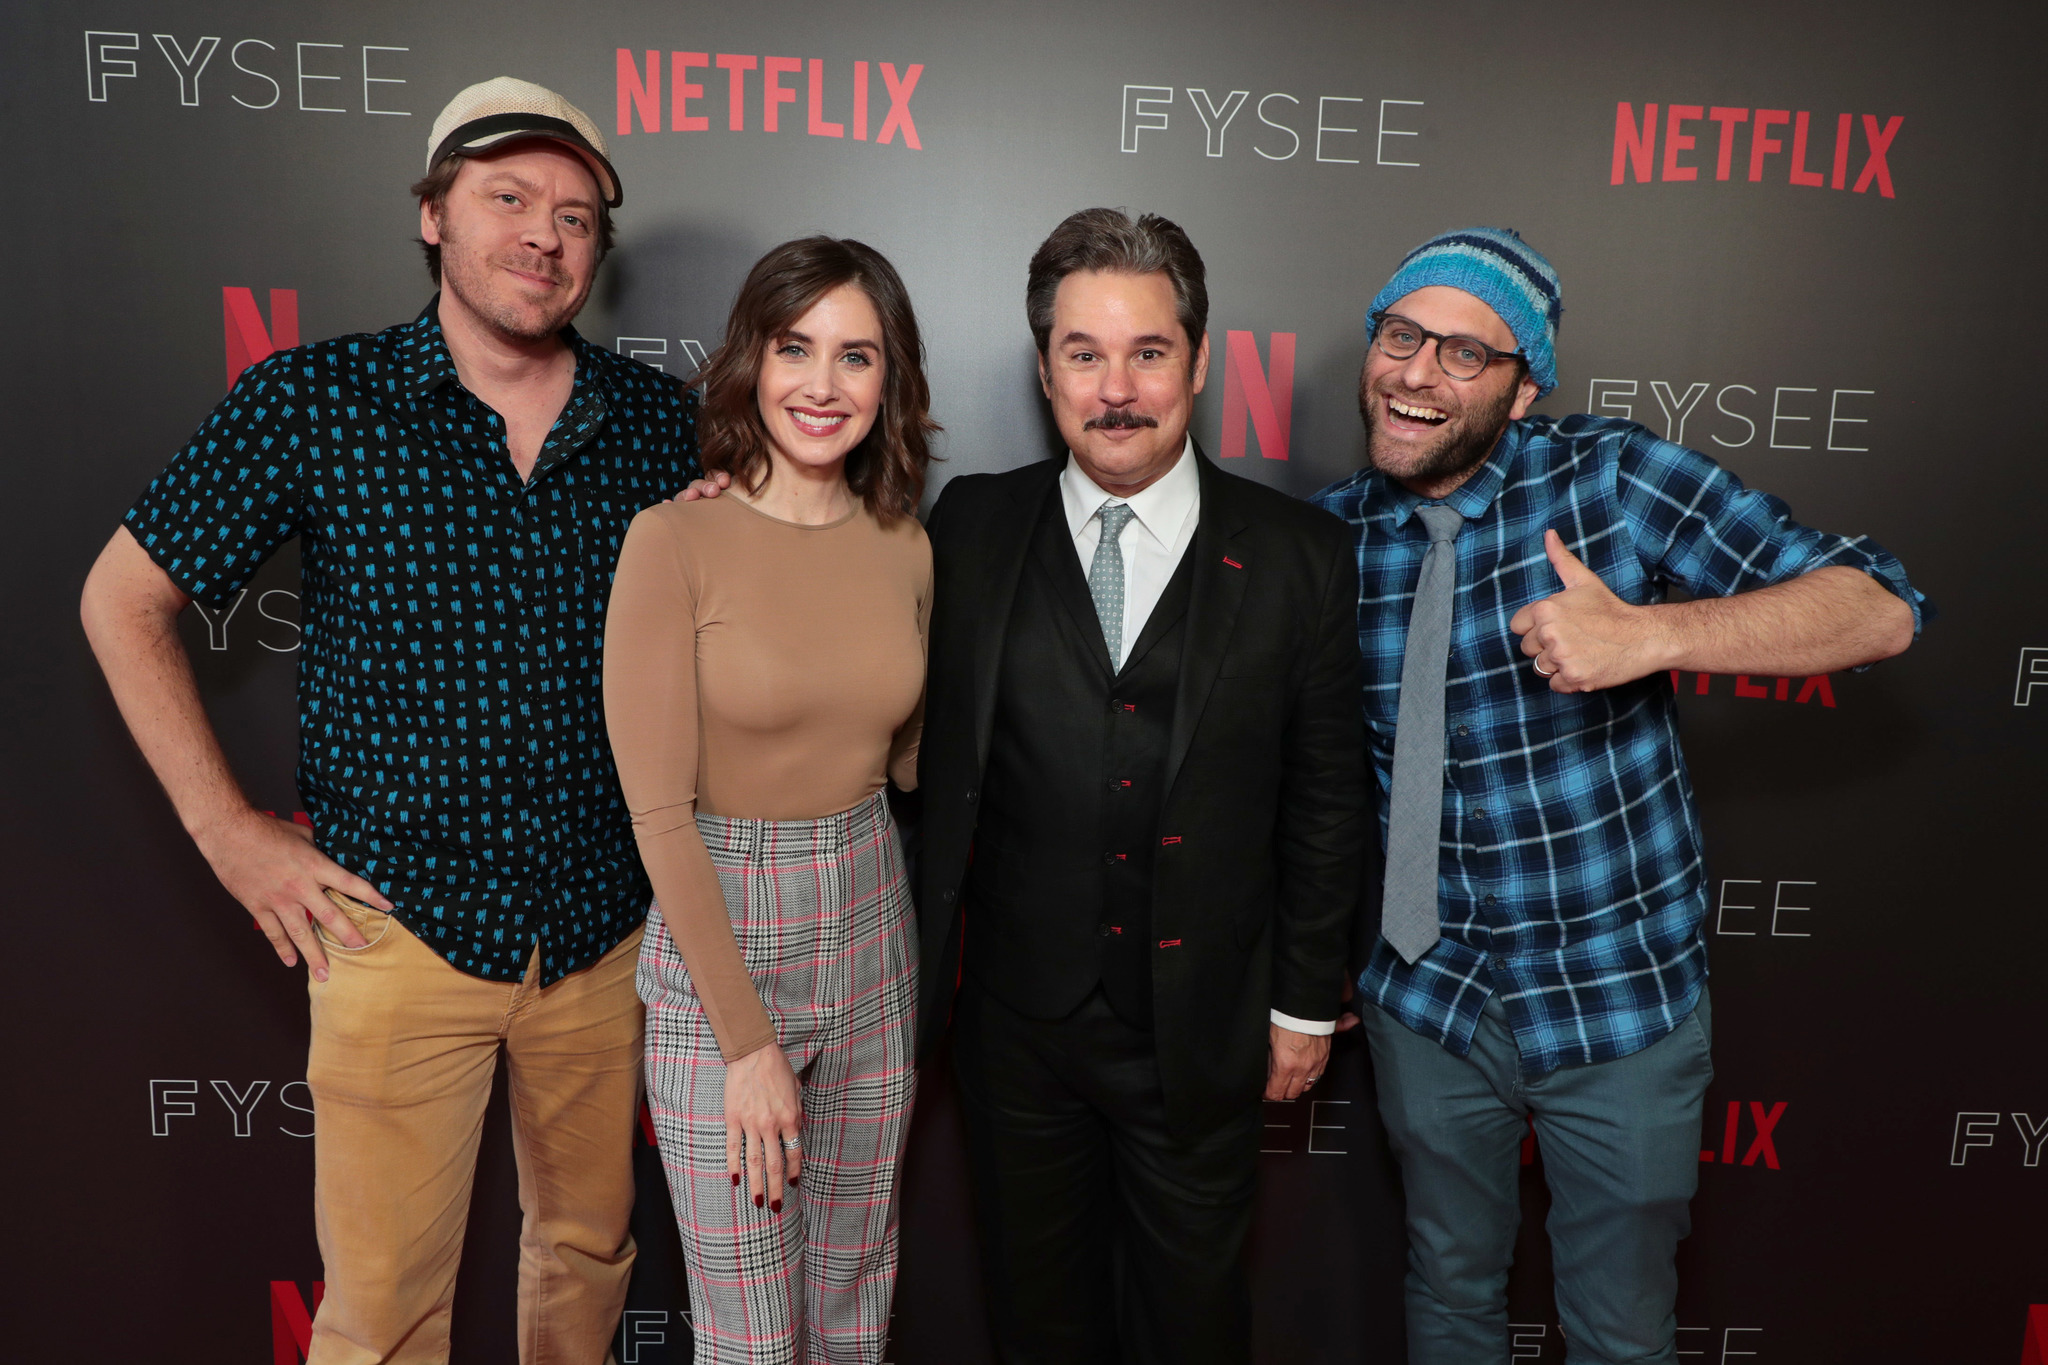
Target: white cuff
[{"x": 1314, "y": 1027}]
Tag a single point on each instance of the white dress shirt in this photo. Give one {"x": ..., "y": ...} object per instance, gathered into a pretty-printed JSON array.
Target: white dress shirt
[{"x": 1154, "y": 540}]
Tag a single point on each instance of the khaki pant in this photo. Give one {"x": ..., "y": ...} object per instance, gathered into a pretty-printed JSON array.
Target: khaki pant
[{"x": 404, "y": 1049}]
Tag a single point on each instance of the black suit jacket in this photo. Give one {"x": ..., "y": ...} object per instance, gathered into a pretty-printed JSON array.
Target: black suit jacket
[{"x": 1265, "y": 817}]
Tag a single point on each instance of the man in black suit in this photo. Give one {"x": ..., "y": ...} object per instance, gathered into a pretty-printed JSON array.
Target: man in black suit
[{"x": 1144, "y": 815}]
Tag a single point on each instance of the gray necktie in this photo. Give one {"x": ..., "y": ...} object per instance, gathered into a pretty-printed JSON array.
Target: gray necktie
[
  {"x": 1106, "y": 579},
  {"x": 1409, "y": 915}
]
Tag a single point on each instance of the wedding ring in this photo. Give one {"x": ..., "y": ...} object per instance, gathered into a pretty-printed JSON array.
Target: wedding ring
[
  {"x": 1538, "y": 666},
  {"x": 790, "y": 1144}
]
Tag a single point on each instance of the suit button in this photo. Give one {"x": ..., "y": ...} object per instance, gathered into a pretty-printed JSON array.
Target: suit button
[
  {"x": 1116, "y": 703},
  {"x": 1109, "y": 860},
  {"x": 948, "y": 897},
  {"x": 1103, "y": 930},
  {"x": 971, "y": 794},
  {"x": 1114, "y": 785}
]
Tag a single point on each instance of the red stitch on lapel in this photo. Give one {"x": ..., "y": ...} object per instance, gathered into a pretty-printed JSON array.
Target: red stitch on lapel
[
  {"x": 1169, "y": 943},
  {"x": 1232, "y": 563},
  {"x": 1171, "y": 839}
]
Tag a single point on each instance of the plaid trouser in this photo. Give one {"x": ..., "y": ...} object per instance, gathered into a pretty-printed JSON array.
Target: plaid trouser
[{"x": 821, "y": 909}]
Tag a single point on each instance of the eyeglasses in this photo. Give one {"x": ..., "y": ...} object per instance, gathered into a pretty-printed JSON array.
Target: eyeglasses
[{"x": 1459, "y": 357}]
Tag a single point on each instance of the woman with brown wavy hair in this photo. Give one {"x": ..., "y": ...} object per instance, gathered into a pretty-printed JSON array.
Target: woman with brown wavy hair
[{"x": 763, "y": 681}]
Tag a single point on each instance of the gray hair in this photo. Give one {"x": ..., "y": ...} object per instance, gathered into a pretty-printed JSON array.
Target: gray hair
[{"x": 1109, "y": 240}]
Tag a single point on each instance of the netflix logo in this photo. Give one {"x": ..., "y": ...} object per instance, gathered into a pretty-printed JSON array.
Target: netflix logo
[
  {"x": 1257, "y": 396},
  {"x": 249, "y": 339},
  {"x": 291, "y": 1320},
  {"x": 847, "y": 91},
  {"x": 1751, "y": 131},
  {"x": 1756, "y": 1121},
  {"x": 1816, "y": 688}
]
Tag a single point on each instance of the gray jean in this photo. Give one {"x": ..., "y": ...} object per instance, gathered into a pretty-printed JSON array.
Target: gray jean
[{"x": 1620, "y": 1143}]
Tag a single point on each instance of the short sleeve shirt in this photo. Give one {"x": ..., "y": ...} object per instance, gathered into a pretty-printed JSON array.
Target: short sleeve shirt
[
  {"x": 452, "y": 747},
  {"x": 1572, "y": 880}
]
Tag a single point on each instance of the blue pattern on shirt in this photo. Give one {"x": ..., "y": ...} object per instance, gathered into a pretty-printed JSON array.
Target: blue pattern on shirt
[
  {"x": 1572, "y": 879},
  {"x": 452, "y": 747}
]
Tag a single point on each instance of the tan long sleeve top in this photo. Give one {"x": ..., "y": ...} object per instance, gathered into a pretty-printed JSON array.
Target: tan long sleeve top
[{"x": 760, "y": 669}]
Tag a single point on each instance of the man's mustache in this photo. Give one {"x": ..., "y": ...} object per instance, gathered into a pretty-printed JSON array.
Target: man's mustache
[
  {"x": 537, "y": 265},
  {"x": 1119, "y": 419}
]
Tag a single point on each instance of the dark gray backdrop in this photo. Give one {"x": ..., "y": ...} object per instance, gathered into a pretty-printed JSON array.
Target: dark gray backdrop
[{"x": 1878, "y": 940}]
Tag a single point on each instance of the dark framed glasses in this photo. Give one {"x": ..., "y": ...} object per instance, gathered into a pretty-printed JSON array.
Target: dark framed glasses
[{"x": 1399, "y": 338}]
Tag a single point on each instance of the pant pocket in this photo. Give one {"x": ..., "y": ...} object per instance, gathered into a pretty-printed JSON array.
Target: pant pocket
[{"x": 371, "y": 923}]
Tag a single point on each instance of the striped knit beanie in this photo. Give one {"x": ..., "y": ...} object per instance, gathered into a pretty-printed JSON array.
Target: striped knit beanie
[{"x": 1502, "y": 271}]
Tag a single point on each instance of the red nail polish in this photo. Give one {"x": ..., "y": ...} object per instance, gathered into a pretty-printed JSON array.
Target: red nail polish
[
  {"x": 791, "y": 1182},
  {"x": 776, "y": 1205},
  {"x": 735, "y": 1178},
  {"x": 757, "y": 1201}
]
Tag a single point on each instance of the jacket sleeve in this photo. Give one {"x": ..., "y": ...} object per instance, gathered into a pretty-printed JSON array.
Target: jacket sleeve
[{"x": 1323, "y": 816}]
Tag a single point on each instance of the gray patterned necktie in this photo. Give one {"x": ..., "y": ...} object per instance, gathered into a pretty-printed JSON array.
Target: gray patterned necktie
[
  {"x": 1106, "y": 579},
  {"x": 1409, "y": 912}
]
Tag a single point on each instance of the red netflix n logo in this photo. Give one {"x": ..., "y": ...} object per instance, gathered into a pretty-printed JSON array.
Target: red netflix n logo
[
  {"x": 1264, "y": 397},
  {"x": 248, "y": 339},
  {"x": 291, "y": 1319}
]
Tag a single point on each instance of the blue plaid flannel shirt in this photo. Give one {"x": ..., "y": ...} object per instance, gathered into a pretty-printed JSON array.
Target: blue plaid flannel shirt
[{"x": 1572, "y": 878}]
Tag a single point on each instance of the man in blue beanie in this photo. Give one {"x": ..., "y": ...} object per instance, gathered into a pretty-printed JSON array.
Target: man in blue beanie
[{"x": 1541, "y": 956}]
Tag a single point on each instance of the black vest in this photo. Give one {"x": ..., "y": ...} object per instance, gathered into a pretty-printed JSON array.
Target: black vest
[{"x": 1059, "y": 895}]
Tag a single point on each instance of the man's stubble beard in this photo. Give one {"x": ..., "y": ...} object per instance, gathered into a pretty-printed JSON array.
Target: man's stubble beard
[
  {"x": 466, "y": 277},
  {"x": 1456, "y": 452}
]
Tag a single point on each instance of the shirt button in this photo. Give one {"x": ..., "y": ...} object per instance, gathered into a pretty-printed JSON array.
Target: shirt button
[
  {"x": 1464, "y": 730},
  {"x": 1492, "y": 899},
  {"x": 1479, "y": 812}
]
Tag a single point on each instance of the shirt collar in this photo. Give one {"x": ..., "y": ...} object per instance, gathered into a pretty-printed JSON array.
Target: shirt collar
[
  {"x": 424, "y": 361},
  {"x": 1470, "y": 499},
  {"x": 1162, "y": 507}
]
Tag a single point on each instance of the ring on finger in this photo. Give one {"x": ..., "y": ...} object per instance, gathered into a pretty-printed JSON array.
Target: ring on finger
[
  {"x": 790, "y": 1144},
  {"x": 1537, "y": 664}
]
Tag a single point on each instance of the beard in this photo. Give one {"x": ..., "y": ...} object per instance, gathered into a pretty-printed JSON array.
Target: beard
[
  {"x": 1466, "y": 440},
  {"x": 472, "y": 279}
]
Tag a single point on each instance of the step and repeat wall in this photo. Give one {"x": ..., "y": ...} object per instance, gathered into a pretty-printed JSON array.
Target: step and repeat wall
[{"x": 1803, "y": 238}]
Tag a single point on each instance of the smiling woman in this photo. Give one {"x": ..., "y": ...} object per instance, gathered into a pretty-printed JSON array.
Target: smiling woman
[
  {"x": 754, "y": 384},
  {"x": 764, "y": 678}
]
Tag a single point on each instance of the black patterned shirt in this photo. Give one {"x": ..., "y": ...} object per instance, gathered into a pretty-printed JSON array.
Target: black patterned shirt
[{"x": 452, "y": 748}]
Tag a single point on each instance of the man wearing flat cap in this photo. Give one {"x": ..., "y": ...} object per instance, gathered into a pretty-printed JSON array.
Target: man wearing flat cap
[
  {"x": 459, "y": 486},
  {"x": 1541, "y": 957}
]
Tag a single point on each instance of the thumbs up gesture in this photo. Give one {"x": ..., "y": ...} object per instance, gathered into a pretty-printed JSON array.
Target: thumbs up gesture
[{"x": 1585, "y": 638}]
